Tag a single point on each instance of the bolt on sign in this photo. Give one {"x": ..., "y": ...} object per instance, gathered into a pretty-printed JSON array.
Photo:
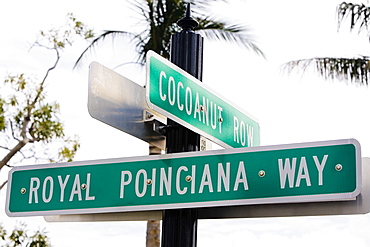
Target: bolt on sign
[
  {"x": 183, "y": 98},
  {"x": 306, "y": 172}
]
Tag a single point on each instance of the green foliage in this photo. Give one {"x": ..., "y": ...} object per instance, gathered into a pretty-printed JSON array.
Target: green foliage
[
  {"x": 2, "y": 117},
  {"x": 66, "y": 34},
  {"x": 26, "y": 117},
  {"x": 19, "y": 237},
  {"x": 356, "y": 69},
  {"x": 358, "y": 13},
  {"x": 238, "y": 34},
  {"x": 45, "y": 127},
  {"x": 30, "y": 116},
  {"x": 69, "y": 151},
  {"x": 2, "y": 233},
  {"x": 39, "y": 239},
  {"x": 161, "y": 16}
]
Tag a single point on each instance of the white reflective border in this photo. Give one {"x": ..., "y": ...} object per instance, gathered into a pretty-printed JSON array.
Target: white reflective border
[
  {"x": 274, "y": 200},
  {"x": 359, "y": 206},
  {"x": 199, "y": 83}
]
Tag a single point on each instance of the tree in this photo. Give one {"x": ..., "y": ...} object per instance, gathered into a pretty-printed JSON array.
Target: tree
[
  {"x": 161, "y": 16},
  {"x": 357, "y": 69},
  {"x": 20, "y": 237},
  {"x": 27, "y": 120},
  {"x": 30, "y": 127}
]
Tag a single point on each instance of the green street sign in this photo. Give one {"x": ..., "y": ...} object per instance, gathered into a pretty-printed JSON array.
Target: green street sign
[
  {"x": 183, "y": 98},
  {"x": 307, "y": 172}
]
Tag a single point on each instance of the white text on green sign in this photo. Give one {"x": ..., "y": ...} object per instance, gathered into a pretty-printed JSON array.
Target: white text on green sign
[
  {"x": 178, "y": 95},
  {"x": 322, "y": 171}
]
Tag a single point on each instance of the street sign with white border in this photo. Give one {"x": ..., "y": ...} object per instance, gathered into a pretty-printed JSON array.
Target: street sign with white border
[
  {"x": 305, "y": 172},
  {"x": 348, "y": 207},
  {"x": 184, "y": 99}
]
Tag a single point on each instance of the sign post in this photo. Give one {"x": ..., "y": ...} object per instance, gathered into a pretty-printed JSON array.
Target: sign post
[
  {"x": 179, "y": 227},
  {"x": 185, "y": 185}
]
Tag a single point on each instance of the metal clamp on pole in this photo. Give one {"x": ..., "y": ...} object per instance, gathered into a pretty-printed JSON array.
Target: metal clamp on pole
[{"x": 158, "y": 123}]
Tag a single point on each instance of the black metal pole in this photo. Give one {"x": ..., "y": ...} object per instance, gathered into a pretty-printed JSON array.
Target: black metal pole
[{"x": 179, "y": 226}]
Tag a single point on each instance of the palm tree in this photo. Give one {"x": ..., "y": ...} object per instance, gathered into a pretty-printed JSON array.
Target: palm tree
[
  {"x": 161, "y": 17},
  {"x": 357, "y": 69}
]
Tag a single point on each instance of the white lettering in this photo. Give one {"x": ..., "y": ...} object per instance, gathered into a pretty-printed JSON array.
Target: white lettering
[
  {"x": 320, "y": 167},
  {"x": 62, "y": 186},
  {"x": 154, "y": 171},
  {"x": 124, "y": 182},
  {"x": 197, "y": 107},
  {"x": 165, "y": 180},
  {"x": 303, "y": 173},
  {"x": 188, "y": 100},
  {"x": 220, "y": 120},
  {"x": 178, "y": 174},
  {"x": 179, "y": 104},
  {"x": 243, "y": 133},
  {"x": 209, "y": 113},
  {"x": 171, "y": 90},
  {"x": 51, "y": 188},
  {"x": 193, "y": 167},
  {"x": 87, "y": 195},
  {"x": 205, "y": 111},
  {"x": 236, "y": 130},
  {"x": 76, "y": 189},
  {"x": 287, "y": 171},
  {"x": 250, "y": 135},
  {"x": 137, "y": 180},
  {"x": 213, "y": 115},
  {"x": 163, "y": 96},
  {"x": 33, "y": 190},
  {"x": 225, "y": 178},
  {"x": 206, "y": 179},
  {"x": 241, "y": 177}
]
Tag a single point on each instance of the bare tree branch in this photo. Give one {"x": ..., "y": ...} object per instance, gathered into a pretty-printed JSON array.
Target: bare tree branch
[
  {"x": 3, "y": 184},
  {"x": 41, "y": 88},
  {"x": 12, "y": 128},
  {"x": 31, "y": 119},
  {"x": 12, "y": 152},
  {"x": 6, "y": 148}
]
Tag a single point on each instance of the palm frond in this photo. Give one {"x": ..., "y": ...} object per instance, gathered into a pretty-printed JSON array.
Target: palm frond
[
  {"x": 356, "y": 70},
  {"x": 161, "y": 16},
  {"x": 101, "y": 38},
  {"x": 237, "y": 34},
  {"x": 203, "y": 5},
  {"x": 359, "y": 15}
]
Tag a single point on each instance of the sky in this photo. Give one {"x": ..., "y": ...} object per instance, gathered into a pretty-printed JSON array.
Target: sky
[{"x": 289, "y": 108}]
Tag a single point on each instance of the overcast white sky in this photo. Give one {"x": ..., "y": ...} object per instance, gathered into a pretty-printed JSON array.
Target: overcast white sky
[{"x": 290, "y": 109}]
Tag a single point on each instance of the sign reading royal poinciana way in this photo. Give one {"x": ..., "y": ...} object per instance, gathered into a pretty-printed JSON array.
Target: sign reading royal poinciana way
[
  {"x": 183, "y": 98},
  {"x": 307, "y": 172}
]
